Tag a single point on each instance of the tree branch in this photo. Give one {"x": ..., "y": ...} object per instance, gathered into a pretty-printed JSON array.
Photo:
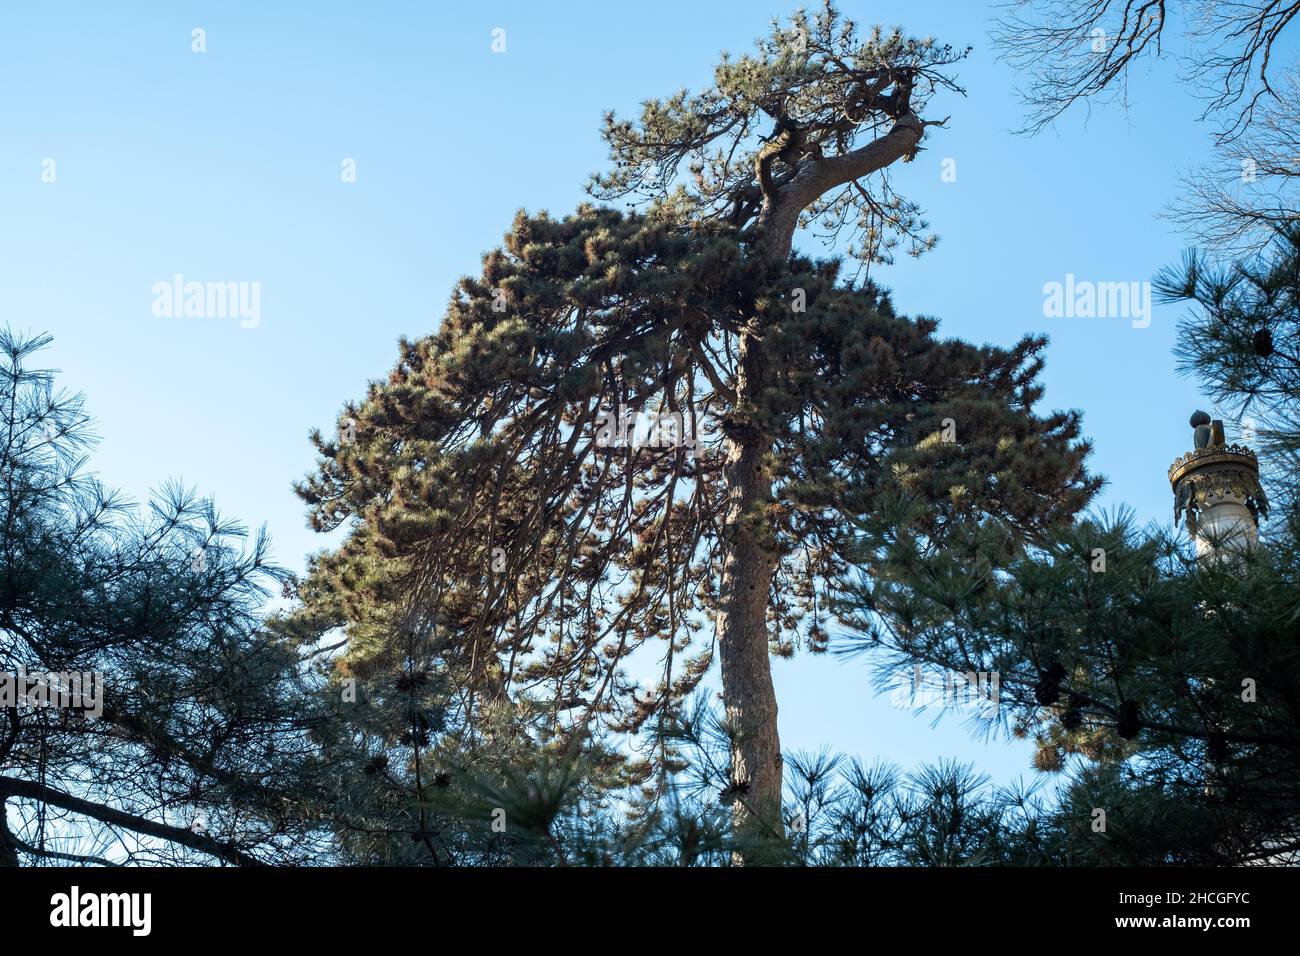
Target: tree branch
[
  {"x": 11, "y": 787},
  {"x": 817, "y": 176}
]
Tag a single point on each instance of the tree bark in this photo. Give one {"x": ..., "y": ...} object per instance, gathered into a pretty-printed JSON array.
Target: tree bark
[
  {"x": 747, "y": 569},
  {"x": 8, "y": 849},
  {"x": 749, "y": 555}
]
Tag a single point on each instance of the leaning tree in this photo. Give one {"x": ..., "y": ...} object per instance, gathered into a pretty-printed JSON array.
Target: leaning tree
[{"x": 640, "y": 436}]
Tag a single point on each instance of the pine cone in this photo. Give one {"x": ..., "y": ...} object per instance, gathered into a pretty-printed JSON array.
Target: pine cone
[
  {"x": 1072, "y": 719},
  {"x": 414, "y": 738},
  {"x": 1263, "y": 343},
  {"x": 1216, "y": 747},
  {"x": 409, "y": 682},
  {"x": 1129, "y": 722},
  {"x": 1048, "y": 689},
  {"x": 733, "y": 790}
]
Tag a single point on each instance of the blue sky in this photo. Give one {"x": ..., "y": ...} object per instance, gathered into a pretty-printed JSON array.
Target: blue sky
[{"x": 226, "y": 166}]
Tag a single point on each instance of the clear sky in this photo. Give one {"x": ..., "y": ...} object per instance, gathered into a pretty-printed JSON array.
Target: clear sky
[{"x": 226, "y": 166}]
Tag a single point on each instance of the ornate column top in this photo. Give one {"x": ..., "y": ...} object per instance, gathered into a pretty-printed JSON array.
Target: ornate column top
[{"x": 1215, "y": 472}]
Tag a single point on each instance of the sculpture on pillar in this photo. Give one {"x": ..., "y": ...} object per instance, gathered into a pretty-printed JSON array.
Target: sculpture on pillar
[{"x": 1217, "y": 491}]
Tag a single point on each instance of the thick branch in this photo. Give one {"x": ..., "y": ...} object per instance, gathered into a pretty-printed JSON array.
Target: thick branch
[
  {"x": 818, "y": 176},
  {"x": 11, "y": 787},
  {"x": 899, "y": 143}
]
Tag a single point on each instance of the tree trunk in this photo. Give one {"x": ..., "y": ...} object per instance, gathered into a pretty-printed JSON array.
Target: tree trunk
[
  {"x": 748, "y": 565},
  {"x": 747, "y": 569},
  {"x": 748, "y": 539},
  {"x": 8, "y": 849}
]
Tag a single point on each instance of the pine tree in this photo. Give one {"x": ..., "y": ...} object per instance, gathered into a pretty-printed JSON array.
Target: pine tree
[
  {"x": 481, "y": 445},
  {"x": 1160, "y": 689},
  {"x": 202, "y": 747},
  {"x": 516, "y": 539},
  {"x": 1242, "y": 340},
  {"x": 842, "y": 109}
]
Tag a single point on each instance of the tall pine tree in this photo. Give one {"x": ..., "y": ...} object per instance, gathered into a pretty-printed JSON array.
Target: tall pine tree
[
  {"x": 512, "y": 531},
  {"x": 540, "y": 489}
]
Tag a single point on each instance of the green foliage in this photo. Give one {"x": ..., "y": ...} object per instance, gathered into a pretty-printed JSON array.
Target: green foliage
[
  {"x": 506, "y": 546},
  {"x": 1242, "y": 340},
  {"x": 839, "y": 812},
  {"x": 814, "y": 89},
  {"x": 1164, "y": 690},
  {"x": 204, "y": 714}
]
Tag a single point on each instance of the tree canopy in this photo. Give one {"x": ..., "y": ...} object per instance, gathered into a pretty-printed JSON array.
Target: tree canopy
[{"x": 533, "y": 495}]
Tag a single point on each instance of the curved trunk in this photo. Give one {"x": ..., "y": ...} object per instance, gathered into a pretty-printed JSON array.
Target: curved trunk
[{"x": 748, "y": 540}]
